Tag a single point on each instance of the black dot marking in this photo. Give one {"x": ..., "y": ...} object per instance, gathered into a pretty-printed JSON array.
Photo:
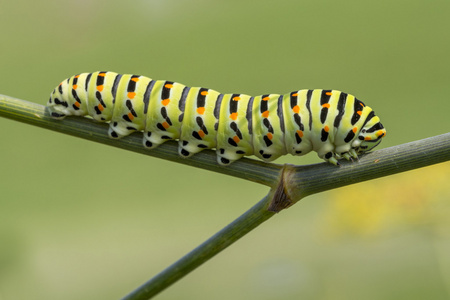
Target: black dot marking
[
  {"x": 126, "y": 118},
  {"x": 232, "y": 142},
  {"x": 166, "y": 137},
  {"x": 114, "y": 134},
  {"x": 196, "y": 135},
  {"x": 63, "y": 103},
  {"x": 115, "y": 124},
  {"x": 324, "y": 135},
  {"x": 361, "y": 138},
  {"x": 160, "y": 127},
  {"x": 203, "y": 146},
  {"x": 224, "y": 160},
  {"x": 349, "y": 136},
  {"x": 185, "y": 152},
  {"x": 222, "y": 151},
  {"x": 240, "y": 152},
  {"x": 149, "y": 133},
  {"x": 267, "y": 141},
  {"x": 329, "y": 155},
  {"x": 148, "y": 144},
  {"x": 264, "y": 154},
  {"x": 185, "y": 143},
  {"x": 298, "y": 138},
  {"x": 298, "y": 152},
  {"x": 57, "y": 115}
]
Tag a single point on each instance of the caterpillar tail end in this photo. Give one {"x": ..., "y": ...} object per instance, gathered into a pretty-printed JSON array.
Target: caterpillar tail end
[{"x": 56, "y": 115}]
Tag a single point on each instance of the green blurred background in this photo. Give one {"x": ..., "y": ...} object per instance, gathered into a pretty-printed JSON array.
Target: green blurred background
[{"x": 75, "y": 225}]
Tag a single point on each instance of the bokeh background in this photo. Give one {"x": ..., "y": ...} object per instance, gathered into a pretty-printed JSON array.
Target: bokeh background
[{"x": 75, "y": 225}]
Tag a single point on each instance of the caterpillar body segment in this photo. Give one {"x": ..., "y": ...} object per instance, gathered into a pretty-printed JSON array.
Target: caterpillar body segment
[
  {"x": 332, "y": 123},
  {"x": 234, "y": 135}
]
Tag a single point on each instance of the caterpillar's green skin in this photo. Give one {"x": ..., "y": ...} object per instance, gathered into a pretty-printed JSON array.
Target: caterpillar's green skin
[{"x": 332, "y": 123}]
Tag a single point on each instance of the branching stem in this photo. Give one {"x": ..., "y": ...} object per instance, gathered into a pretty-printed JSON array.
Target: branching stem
[{"x": 288, "y": 183}]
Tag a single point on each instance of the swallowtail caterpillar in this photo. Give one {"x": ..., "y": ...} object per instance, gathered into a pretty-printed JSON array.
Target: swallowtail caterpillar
[{"x": 332, "y": 123}]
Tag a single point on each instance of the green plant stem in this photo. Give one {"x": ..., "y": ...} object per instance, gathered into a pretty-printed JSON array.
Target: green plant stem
[
  {"x": 204, "y": 252},
  {"x": 35, "y": 114},
  {"x": 299, "y": 182},
  {"x": 307, "y": 180},
  {"x": 289, "y": 183}
]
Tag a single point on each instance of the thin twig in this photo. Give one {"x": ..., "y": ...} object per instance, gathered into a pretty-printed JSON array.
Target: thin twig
[{"x": 35, "y": 114}]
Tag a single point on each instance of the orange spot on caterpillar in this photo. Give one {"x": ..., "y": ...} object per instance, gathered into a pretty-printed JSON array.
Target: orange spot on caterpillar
[
  {"x": 100, "y": 107},
  {"x": 294, "y": 95},
  {"x": 204, "y": 93},
  {"x": 367, "y": 138},
  {"x": 102, "y": 74},
  {"x": 236, "y": 98},
  {"x": 131, "y": 95},
  {"x": 326, "y": 128},
  {"x": 168, "y": 85},
  {"x": 165, "y": 102},
  {"x": 165, "y": 125},
  {"x": 201, "y": 133},
  {"x": 326, "y": 105},
  {"x": 266, "y": 98},
  {"x": 236, "y": 139},
  {"x": 99, "y": 88},
  {"x": 296, "y": 109},
  {"x": 381, "y": 132},
  {"x": 270, "y": 136},
  {"x": 74, "y": 86},
  {"x": 233, "y": 116},
  {"x": 300, "y": 133},
  {"x": 130, "y": 115},
  {"x": 76, "y": 76},
  {"x": 355, "y": 129},
  {"x": 201, "y": 110},
  {"x": 77, "y": 104},
  {"x": 135, "y": 79},
  {"x": 328, "y": 93},
  {"x": 265, "y": 114},
  {"x": 359, "y": 112}
]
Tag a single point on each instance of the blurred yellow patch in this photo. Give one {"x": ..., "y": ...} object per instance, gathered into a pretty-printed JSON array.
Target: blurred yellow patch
[{"x": 399, "y": 202}]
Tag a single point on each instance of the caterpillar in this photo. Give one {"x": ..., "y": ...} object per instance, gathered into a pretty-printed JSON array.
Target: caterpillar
[{"x": 332, "y": 123}]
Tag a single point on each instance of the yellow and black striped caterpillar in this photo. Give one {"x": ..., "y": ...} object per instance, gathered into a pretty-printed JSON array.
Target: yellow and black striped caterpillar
[{"x": 330, "y": 122}]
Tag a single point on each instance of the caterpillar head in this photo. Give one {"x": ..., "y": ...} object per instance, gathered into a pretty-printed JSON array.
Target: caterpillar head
[{"x": 370, "y": 136}]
